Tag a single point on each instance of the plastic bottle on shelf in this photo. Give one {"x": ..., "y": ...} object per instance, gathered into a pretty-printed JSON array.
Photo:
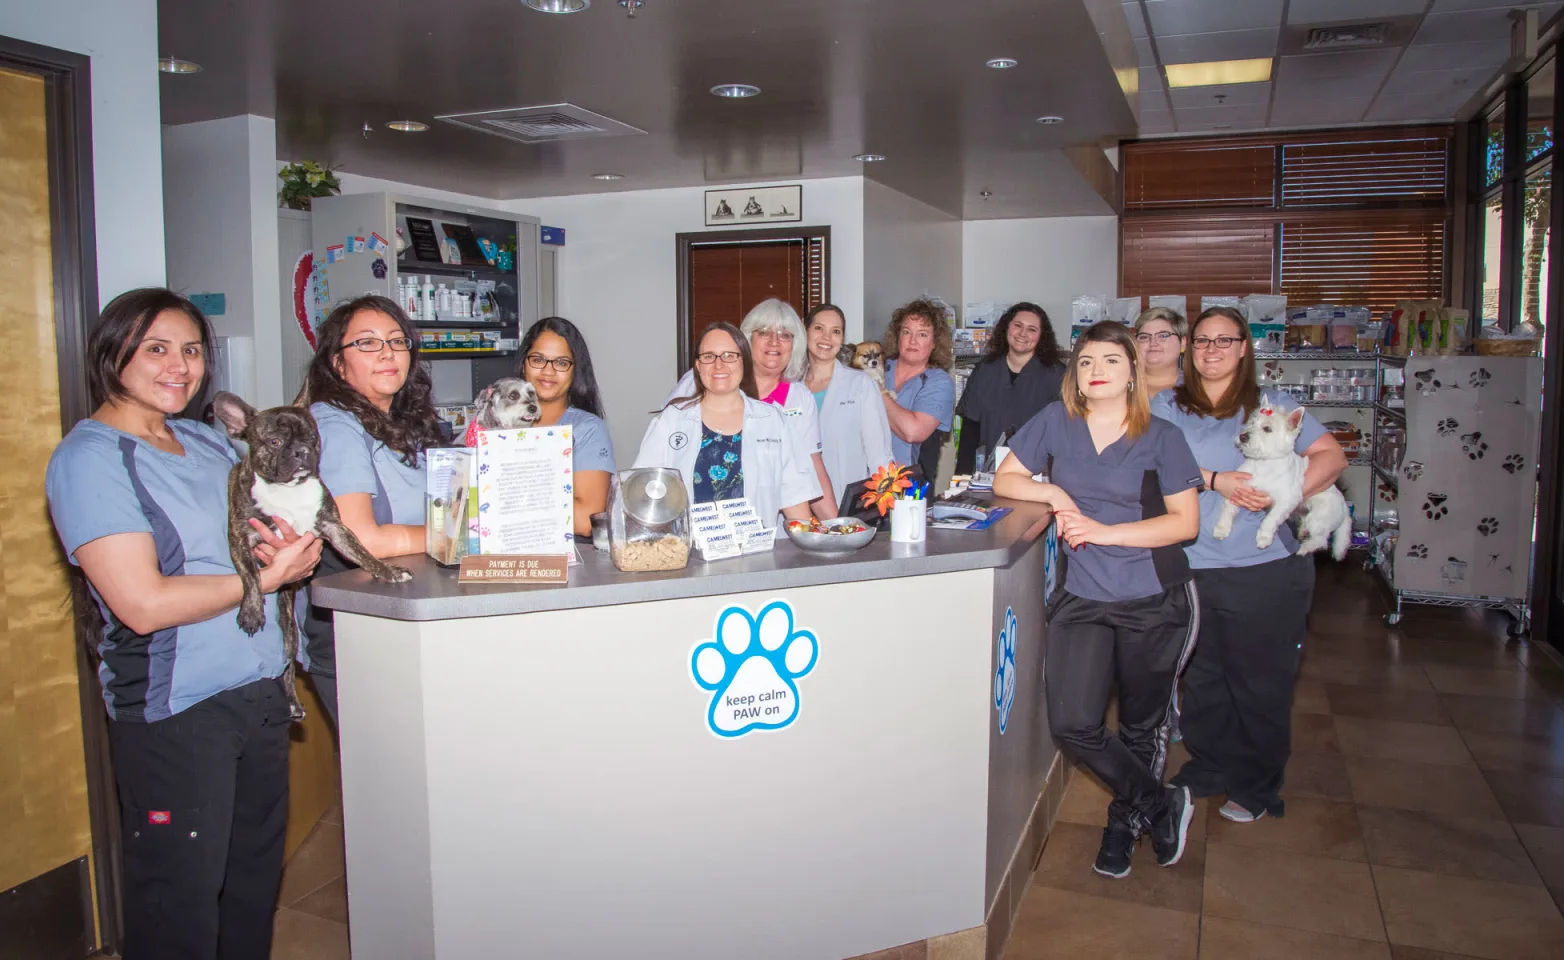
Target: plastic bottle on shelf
[
  {"x": 442, "y": 301},
  {"x": 426, "y": 300}
]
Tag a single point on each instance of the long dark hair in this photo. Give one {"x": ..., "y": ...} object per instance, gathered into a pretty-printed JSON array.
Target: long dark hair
[
  {"x": 583, "y": 393},
  {"x": 412, "y": 424},
  {"x": 122, "y": 325},
  {"x": 746, "y": 383},
  {"x": 1243, "y": 394},
  {"x": 1137, "y": 407},
  {"x": 1048, "y": 352}
]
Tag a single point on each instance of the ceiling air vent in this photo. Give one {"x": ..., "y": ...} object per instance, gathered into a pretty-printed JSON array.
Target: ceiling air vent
[
  {"x": 543, "y": 124},
  {"x": 1353, "y": 35}
]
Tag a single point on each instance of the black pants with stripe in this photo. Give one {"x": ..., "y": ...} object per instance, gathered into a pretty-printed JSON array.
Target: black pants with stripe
[
  {"x": 1236, "y": 714},
  {"x": 1141, "y": 644},
  {"x": 204, "y": 806}
]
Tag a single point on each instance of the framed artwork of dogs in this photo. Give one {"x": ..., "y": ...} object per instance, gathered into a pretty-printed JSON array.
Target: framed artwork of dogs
[{"x": 755, "y": 205}]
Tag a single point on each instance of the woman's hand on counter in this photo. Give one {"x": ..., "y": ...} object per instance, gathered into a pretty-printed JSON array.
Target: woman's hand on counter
[{"x": 1013, "y": 481}]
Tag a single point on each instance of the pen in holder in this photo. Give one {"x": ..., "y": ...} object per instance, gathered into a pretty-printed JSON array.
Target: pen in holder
[{"x": 909, "y": 519}]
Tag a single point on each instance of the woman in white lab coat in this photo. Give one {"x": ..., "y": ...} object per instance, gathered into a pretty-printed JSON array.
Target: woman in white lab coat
[
  {"x": 724, "y": 442},
  {"x": 855, "y": 434}
]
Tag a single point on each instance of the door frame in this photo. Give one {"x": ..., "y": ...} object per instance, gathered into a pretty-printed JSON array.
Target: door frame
[
  {"x": 683, "y": 242},
  {"x": 1547, "y": 612},
  {"x": 73, "y": 238}
]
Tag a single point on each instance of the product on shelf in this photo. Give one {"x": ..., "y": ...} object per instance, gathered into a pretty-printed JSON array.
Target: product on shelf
[{"x": 1348, "y": 435}]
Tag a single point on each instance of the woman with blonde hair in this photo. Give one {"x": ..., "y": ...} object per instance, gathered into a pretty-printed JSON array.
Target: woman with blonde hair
[
  {"x": 1123, "y": 487},
  {"x": 1160, "y": 337},
  {"x": 920, "y": 396}
]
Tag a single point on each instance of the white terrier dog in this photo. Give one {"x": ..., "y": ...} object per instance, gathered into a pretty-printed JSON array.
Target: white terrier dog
[{"x": 1267, "y": 442}]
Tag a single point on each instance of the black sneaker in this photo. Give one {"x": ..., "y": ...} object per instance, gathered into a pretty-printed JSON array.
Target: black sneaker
[
  {"x": 1169, "y": 831},
  {"x": 1118, "y": 846}
]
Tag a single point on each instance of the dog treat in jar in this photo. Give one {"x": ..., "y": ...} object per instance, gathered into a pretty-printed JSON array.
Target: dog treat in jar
[{"x": 644, "y": 556}]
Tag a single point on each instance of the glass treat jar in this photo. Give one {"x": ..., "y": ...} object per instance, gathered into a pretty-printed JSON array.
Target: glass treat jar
[{"x": 649, "y": 521}]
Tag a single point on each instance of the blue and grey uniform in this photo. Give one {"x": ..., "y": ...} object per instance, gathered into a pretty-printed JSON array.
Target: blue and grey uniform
[
  {"x": 1236, "y": 711},
  {"x": 932, "y": 392},
  {"x": 593, "y": 448},
  {"x": 102, "y": 482},
  {"x": 1123, "y": 614}
]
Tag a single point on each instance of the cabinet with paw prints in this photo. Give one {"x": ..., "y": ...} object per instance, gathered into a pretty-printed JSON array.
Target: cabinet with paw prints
[{"x": 1454, "y": 513}]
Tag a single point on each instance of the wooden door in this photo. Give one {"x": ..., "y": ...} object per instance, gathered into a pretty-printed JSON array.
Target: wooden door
[{"x": 728, "y": 280}]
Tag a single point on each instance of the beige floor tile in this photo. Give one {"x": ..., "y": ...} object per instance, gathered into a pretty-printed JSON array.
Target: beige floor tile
[
  {"x": 1236, "y": 940},
  {"x": 1291, "y": 890},
  {"x": 963, "y": 945},
  {"x": 1379, "y": 676},
  {"x": 1314, "y": 733},
  {"x": 329, "y": 902},
  {"x": 317, "y": 862},
  {"x": 1545, "y": 845},
  {"x": 1060, "y": 925},
  {"x": 299, "y": 936},
  {"x": 907, "y": 951},
  {"x": 1321, "y": 828},
  {"x": 1543, "y": 756},
  {"x": 1398, "y": 740},
  {"x": 1479, "y": 682},
  {"x": 1480, "y": 918},
  {"x": 1067, "y": 865},
  {"x": 1507, "y": 715},
  {"x": 1457, "y": 791},
  {"x": 1322, "y": 775},
  {"x": 1528, "y": 798},
  {"x": 1482, "y": 653},
  {"x": 1402, "y": 952},
  {"x": 1086, "y": 801},
  {"x": 1308, "y": 696},
  {"x": 1409, "y": 706},
  {"x": 1461, "y": 846},
  {"x": 333, "y": 815}
]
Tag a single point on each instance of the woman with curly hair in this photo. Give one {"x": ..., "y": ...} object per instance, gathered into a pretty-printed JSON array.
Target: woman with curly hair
[
  {"x": 1019, "y": 376},
  {"x": 371, "y": 399},
  {"x": 920, "y": 396}
]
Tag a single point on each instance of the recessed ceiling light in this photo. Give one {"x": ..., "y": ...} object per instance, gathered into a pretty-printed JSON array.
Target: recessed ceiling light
[
  {"x": 1001, "y": 63},
  {"x": 407, "y": 126},
  {"x": 171, "y": 65},
  {"x": 1050, "y": 120},
  {"x": 608, "y": 176},
  {"x": 869, "y": 157},
  {"x": 735, "y": 91},
  {"x": 557, "y": 6},
  {"x": 1219, "y": 72}
]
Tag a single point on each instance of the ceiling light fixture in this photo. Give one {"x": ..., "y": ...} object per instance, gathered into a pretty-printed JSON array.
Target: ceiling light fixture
[
  {"x": 869, "y": 157},
  {"x": 1050, "y": 120},
  {"x": 171, "y": 65},
  {"x": 735, "y": 91},
  {"x": 407, "y": 126},
  {"x": 632, "y": 7},
  {"x": 557, "y": 6},
  {"x": 1000, "y": 63},
  {"x": 608, "y": 176},
  {"x": 1218, "y": 72}
]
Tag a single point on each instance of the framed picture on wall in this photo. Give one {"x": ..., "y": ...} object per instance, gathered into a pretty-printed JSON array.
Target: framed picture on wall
[{"x": 725, "y": 208}]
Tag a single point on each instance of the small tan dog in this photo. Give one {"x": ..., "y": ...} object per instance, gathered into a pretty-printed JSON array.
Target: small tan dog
[{"x": 870, "y": 358}]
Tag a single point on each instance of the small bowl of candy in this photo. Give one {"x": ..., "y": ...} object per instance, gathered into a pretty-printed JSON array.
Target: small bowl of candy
[{"x": 840, "y": 535}]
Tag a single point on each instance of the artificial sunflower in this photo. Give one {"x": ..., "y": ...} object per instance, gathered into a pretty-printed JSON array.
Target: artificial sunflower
[{"x": 883, "y": 487}]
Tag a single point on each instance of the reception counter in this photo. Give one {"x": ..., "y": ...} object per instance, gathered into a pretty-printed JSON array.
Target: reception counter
[{"x": 777, "y": 756}]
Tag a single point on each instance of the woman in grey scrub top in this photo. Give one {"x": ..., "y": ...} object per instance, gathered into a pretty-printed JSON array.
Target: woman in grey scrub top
[
  {"x": 198, "y": 720},
  {"x": 1123, "y": 490},
  {"x": 555, "y": 360},
  {"x": 1254, "y": 602},
  {"x": 1020, "y": 375},
  {"x": 371, "y": 399}
]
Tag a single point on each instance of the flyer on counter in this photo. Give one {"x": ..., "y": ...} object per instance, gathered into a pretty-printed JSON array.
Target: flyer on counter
[{"x": 526, "y": 503}]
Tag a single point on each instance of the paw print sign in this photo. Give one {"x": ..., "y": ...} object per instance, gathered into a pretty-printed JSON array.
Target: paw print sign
[
  {"x": 751, "y": 667},
  {"x": 1005, "y": 674}
]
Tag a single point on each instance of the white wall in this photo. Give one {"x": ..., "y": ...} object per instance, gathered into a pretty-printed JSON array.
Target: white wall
[
  {"x": 617, "y": 281},
  {"x": 220, "y": 208},
  {"x": 1048, "y": 261},
  {"x": 121, "y": 38},
  {"x": 909, "y": 249}
]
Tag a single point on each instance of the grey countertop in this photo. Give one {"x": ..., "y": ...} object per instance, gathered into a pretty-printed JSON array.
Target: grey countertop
[{"x": 435, "y": 594}]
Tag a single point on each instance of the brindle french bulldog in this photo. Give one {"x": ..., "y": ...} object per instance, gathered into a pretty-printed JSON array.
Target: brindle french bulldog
[{"x": 280, "y": 477}]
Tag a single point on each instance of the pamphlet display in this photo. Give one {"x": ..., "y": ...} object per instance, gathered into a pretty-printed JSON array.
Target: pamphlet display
[{"x": 728, "y": 528}]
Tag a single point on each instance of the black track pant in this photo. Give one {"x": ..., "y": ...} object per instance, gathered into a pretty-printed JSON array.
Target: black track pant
[
  {"x": 1141, "y": 644},
  {"x": 204, "y": 805},
  {"x": 1236, "y": 713}
]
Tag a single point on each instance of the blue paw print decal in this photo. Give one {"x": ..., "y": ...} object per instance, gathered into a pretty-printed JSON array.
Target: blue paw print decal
[
  {"x": 751, "y": 667},
  {"x": 1005, "y": 673},
  {"x": 1050, "y": 561}
]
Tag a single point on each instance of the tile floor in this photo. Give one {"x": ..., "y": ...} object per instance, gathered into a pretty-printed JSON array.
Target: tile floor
[{"x": 1425, "y": 819}]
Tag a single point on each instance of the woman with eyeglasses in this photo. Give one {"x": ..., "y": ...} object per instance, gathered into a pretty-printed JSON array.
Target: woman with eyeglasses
[
  {"x": 1236, "y": 707},
  {"x": 726, "y": 443},
  {"x": 371, "y": 399},
  {"x": 1160, "y": 338},
  {"x": 1019, "y": 376},
  {"x": 555, "y": 360}
]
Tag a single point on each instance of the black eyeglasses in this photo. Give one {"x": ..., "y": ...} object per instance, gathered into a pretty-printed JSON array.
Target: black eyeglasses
[
  {"x": 1162, "y": 337},
  {"x": 726, "y": 356},
  {"x": 373, "y": 344},
  {"x": 538, "y": 361},
  {"x": 1219, "y": 343}
]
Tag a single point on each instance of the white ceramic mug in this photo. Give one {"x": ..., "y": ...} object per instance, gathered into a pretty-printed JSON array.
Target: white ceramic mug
[{"x": 908, "y": 520}]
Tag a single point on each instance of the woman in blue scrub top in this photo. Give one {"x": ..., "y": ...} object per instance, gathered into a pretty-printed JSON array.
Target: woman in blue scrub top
[
  {"x": 198, "y": 720},
  {"x": 1236, "y": 711},
  {"x": 555, "y": 360},
  {"x": 920, "y": 397},
  {"x": 1123, "y": 489},
  {"x": 371, "y": 399}
]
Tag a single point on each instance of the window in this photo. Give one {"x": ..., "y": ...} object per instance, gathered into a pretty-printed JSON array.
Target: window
[
  {"x": 1492, "y": 268},
  {"x": 1536, "y": 207},
  {"x": 1539, "y": 112},
  {"x": 1493, "y": 143}
]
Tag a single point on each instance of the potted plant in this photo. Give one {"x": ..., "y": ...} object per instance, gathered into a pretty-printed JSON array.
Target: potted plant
[{"x": 302, "y": 182}]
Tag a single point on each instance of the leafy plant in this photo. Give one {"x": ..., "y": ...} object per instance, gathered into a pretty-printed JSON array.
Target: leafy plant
[{"x": 302, "y": 182}]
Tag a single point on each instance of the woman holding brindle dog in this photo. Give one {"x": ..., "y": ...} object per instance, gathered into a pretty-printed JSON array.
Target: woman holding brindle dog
[
  {"x": 1236, "y": 711},
  {"x": 198, "y": 720}
]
